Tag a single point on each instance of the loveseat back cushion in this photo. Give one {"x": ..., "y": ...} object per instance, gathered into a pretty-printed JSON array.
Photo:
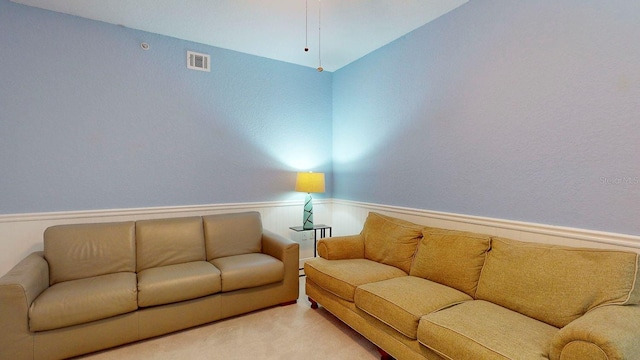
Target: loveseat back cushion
[
  {"x": 164, "y": 242},
  {"x": 233, "y": 234},
  {"x": 177, "y": 282},
  {"x": 452, "y": 258},
  {"x": 86, "y": 250},
  {"x": 390, "y": 241},
  {"x": 557, "y": 284}
]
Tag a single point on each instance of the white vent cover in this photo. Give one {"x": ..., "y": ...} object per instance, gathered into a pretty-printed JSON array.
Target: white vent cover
[{"x": 197, "y": 61}]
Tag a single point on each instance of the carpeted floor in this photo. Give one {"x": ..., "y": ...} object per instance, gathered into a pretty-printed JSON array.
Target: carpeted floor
[{"x": 287, "y": 332}]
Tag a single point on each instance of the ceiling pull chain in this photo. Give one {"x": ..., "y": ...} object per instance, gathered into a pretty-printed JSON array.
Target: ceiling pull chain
[
  {"x": 306, "y": 25},
  {"x": 320, "y": 69}
]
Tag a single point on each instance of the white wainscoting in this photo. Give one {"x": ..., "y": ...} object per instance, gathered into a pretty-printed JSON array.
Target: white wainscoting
[
  {"x": 21, "y": 234},
  {"x": 348, "y": 218}
]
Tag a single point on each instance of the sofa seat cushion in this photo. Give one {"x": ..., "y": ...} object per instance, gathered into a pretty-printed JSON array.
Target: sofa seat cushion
[
  {"x": 483, "y": 330},
  {"x": 401, "y": 302},
  {"x": 249, "y": 270},
  {"x": 178, "y": 282},
  {"x": 342, "y": 277},
  {"x": 84, "y": 300}
]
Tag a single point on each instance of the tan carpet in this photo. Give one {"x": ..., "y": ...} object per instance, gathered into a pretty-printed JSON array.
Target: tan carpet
[{"x": 287, "y": 332}]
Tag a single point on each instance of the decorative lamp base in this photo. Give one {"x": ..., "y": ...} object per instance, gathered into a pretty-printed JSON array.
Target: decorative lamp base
[{"x": 307, "y": 218}]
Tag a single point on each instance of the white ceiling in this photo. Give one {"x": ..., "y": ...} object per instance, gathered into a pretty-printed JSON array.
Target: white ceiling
[{"x": 274, "y": 29}]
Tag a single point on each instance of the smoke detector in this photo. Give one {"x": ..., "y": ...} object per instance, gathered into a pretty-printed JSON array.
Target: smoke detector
[{"x": 197, "y": 61}]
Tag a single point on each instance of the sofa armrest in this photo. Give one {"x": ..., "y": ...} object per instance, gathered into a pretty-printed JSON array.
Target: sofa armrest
[
  {"x": 18, "y": 288},
  {"x": 342, "y": 247},
  {"x": 609, "y": 332}
]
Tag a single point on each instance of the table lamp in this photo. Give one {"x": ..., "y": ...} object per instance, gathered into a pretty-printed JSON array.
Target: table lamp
[{"x": 309, "y": 182}]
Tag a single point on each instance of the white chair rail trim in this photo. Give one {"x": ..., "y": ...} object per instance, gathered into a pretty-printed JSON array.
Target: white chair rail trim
[{"x": 479, "y": 223}]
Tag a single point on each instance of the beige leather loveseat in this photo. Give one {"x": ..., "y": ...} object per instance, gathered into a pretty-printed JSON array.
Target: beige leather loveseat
[
  {"x": 97, "y": 286},
  {"x": 427, "y": 293}
]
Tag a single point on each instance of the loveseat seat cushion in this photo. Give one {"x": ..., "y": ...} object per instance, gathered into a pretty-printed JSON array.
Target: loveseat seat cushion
[
  {"x": 390, "y": 241},
  {"x": 557, "y": 284},
  {"x": 342, "y": 277},
  {"x": 85, "y": 250},
  {"x": 249, "y": 270},
  {"x": 482, "y": 330},
  {"x": 453, "y": 258},
  {"x": 232, "y": 234},
  {"x": 162, "y": 242},
  {"x": 402, "y": 301},
  {"x": 178, "y": 282},
  {"x": 84, "y": 300}
]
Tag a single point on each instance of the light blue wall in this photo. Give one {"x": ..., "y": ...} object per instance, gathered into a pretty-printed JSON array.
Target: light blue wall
[
  {"x": 88, "y": 120},
  {"x": 523, "y": 110}
]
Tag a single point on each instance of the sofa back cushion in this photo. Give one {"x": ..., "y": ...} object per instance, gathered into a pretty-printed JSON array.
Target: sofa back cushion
[
  {"x": 557, "y": 284},
  {"x": 86, "y": 250},
  {"x": 164, "y": 242},
  {"x": 233, "y": 234},
  {"x": 452, "y": 258},
  {"x": 390, "y": 241}
]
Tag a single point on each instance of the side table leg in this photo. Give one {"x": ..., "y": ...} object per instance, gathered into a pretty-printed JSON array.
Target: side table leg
[{"x": 315, "y": 243}]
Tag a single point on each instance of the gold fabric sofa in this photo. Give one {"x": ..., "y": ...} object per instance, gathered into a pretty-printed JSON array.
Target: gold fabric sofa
[
  {"x": 97, "y": 286},
  {"x": 426, "y": 293}
]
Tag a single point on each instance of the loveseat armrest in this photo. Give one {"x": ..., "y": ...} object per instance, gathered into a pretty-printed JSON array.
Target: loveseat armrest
[
  {"x": 288, "y": 252},
  {"x": 18, "y": 289},
  {"x": 342, "y": 247},
  {"x": 279, "y": 247},
  {"x": 609, "y": 332}
]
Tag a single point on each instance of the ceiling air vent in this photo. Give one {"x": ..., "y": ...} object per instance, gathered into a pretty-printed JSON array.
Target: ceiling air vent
[{"x": 197, "y": 61}]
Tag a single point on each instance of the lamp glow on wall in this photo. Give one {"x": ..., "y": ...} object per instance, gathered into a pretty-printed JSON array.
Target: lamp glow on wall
[{"x": 309, "y": 182}]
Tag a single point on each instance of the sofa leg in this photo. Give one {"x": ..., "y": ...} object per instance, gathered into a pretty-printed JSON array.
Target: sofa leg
[
  {"x": 314, "y": 304},
  {"x": 384, "y": 355},
  {"x": 289, "y": 302}
]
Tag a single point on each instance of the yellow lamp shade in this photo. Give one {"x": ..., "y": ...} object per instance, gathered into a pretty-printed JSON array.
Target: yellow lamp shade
[{"x": 310, "y": 182}]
